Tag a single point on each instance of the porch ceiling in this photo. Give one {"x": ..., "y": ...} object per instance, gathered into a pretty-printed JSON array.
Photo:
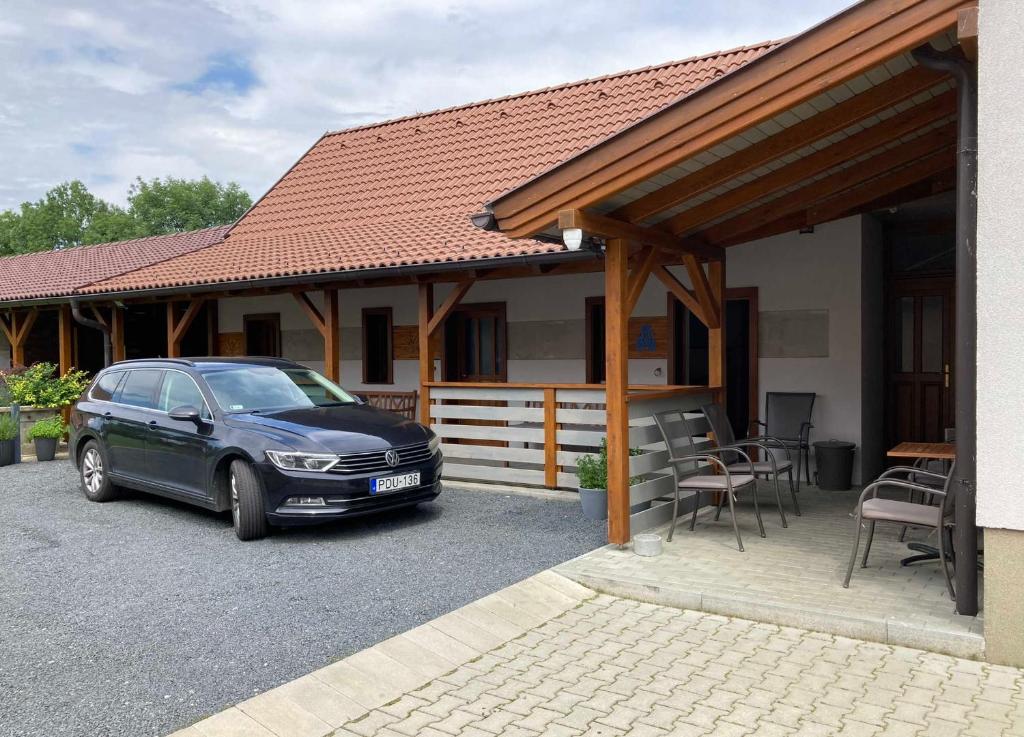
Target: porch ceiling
[{"x": 879, "y": 137}]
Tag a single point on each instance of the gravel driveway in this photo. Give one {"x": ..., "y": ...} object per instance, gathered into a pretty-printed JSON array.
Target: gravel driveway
[{"x": 140, "y": 616}]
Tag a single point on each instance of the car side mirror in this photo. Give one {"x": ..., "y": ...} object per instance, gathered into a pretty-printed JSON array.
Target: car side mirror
[{"x": 186, "y": 414}]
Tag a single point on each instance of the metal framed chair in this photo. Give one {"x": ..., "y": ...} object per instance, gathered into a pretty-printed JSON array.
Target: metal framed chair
[
  {"x": 770, "y": 468},
  {"x": 686, "y": 457},
  {"x": 787, "y": 417},
  {"x": 938, "y": 517}
]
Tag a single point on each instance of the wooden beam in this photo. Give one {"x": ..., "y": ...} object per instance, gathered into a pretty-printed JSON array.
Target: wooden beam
[
  {"x": 312, "y": 312},
  {"x": 7, "y": 326},
  {"x": 16, "y": 331},
  {"x": 967, "y": 32},
  {"x": 332, "y": 336},
  {"x": 638, "y": 277},
  {"x": 616, "y": 382},
  {"x": 681, "y": 293},
  {"x": 176, "y": 328},
  {"x": 819, "y": 162},
  {"x": 607, "y": 227},
  {"x": 851, "y": 43},
  {"x": 550, "y": 438},
  {"x": 800, "y": 199},
  {"x": 716, "y": 335},
  {"x": 65, "y": 338},
  {"x": 117, "y": 348},
  {"x": 98, "y": 316},
  {"x": 793, "y": 138},
  {"x": 426, "y": 311},
  {"x": 449, "y": 304},
  {"x": 705, "y": 295}
]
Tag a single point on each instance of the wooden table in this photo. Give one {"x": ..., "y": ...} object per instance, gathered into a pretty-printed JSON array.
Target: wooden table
[{"x": 929, "y": 451}]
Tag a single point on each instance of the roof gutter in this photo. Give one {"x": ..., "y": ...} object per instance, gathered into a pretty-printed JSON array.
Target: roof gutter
[{"x": 322, "y": 277}]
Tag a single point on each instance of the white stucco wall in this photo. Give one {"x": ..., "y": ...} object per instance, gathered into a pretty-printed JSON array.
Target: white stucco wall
[{"x": 1000, "y": 265}]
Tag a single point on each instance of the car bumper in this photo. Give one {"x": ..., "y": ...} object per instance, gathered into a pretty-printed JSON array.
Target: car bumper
[{"x": 345, "y": 496}]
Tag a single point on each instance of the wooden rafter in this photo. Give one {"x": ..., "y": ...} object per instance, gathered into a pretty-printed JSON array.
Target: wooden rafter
[
  {"x": 607, "y": 227},
  {"x": 817, "y": 163},
  {"x": 797, "y": 136},
  {"x": 450, "y": 303},
  {"x": 797, "y": 200},
  {"x": 850, "y": 44},
  {"x": 967, "y": 32},
  {"x": 98, "y": 316},
  {"x": 177, "y": 327},
  {"x": 312, "y": 312},
  {"x": 639, "y": 275}
]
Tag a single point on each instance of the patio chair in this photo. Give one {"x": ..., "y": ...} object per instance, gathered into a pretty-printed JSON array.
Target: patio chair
[
  {"x": 686, "y": 457},
  {"x": 770, "y": 467},
  {"x": 788, "y": 417},
  {"x": 937, "y": 517}
]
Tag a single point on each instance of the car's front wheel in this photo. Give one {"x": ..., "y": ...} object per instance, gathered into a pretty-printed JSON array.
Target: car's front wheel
[
  {"x": 92, "y": 469},
  {"x": 248, "y": 512}
]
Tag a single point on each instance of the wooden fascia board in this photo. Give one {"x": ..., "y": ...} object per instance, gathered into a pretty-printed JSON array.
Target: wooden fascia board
[
  {"x": 797, "y": 136},
  {"x": 606, "y": 227},
  {"x": 816, "y": 163},
  {"x": 853, "y": 42},
  {"x": 807, "y": 196}
]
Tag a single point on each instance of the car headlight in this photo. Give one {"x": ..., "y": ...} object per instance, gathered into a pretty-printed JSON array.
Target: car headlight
[
  {"x": 435, "y": 443},
  {"x": 291, "y": 461}
]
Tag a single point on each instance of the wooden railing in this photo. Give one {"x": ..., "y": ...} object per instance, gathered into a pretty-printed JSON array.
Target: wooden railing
[{"x": 533, "y": 434}]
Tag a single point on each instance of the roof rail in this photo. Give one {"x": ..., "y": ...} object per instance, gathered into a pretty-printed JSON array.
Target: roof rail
[{"x": 182, "y": 361}]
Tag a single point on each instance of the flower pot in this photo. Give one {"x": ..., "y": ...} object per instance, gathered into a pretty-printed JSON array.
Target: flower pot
[
  {"x": 7, "y": 448},
  {"x": 46, "y": 448},
  {"x": 595, "y": 503},
  {"x": 28, "y": 416}
]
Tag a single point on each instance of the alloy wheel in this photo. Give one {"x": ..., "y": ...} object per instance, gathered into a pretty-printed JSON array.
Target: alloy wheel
[{"x": 92, "y": 470}]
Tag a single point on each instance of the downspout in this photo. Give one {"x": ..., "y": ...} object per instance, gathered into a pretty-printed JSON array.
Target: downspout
[
  {"x": 965, "y": 541},
  {"x": 81, "y": 319}
]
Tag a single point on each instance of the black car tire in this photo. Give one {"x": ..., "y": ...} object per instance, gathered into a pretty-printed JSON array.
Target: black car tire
[
  {"x": 248, "y": 511},
  {"x": 92, "y": 472}
]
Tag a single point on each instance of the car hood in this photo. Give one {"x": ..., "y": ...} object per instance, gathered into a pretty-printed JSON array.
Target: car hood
[{"x": 346, "y": 429}]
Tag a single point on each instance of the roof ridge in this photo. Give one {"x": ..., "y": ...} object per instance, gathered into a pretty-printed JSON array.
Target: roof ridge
[
  {"x": 86, "y": 246},
  {"x": 552, "y": 88}
]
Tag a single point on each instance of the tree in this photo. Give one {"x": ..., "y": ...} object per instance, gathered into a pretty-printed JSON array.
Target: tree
[
  {"x": 70, "y": 215},
  {"x": 174, "y": 205}
]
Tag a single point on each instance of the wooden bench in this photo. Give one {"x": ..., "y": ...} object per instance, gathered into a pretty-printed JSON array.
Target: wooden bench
[{"x": 402, "y": 403}]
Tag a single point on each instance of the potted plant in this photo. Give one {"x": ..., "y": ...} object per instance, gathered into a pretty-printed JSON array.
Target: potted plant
[
  {"x": 8, "y": 439},
  {"x": 46, "y": 434},
  {"x": 592, "y": 475},
  {"x": 40, "y": 393}
]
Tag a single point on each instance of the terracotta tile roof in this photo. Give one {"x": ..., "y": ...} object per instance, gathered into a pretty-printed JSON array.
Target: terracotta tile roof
[
  {"x": 63, "y": 273},
  {"x": 402, "y": 191}
]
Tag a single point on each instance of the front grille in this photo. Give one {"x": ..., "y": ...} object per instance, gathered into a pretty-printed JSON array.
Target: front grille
[{"x": 374, "y": 461}]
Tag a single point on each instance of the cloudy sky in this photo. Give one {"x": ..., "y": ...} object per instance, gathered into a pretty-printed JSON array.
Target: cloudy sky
[{"x": 238, "y": 89}]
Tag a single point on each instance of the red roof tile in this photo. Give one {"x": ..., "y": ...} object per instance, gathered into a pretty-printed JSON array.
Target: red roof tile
[
  {"x": 402, "y": 191},
  {"x": 63, "y": 273}
]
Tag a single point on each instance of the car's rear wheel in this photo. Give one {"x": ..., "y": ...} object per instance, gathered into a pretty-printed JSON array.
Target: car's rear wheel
[
  {"x": 248, "y": 512},
  {"x": 92, "y": 469}
]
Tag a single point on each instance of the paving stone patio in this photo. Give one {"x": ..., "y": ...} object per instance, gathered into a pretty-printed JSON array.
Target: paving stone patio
[
  {"x": 793, "y": 576},
  {"x": 592, "y": 664}
]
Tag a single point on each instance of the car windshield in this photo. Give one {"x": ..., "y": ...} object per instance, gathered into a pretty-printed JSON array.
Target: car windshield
[{"x": 268, "y": 388}]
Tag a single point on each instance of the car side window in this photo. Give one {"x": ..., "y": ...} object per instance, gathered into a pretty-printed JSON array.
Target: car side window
[
  {"x": 139, "y": 388},
  {"x": 179, "y": 390},
  {"x": 104, "y": 388}
]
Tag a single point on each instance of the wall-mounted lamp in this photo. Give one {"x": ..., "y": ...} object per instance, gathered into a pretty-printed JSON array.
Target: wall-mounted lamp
[{"x": 572, "y": 238}]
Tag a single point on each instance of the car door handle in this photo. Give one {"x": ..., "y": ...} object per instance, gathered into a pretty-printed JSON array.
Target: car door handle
[{"x": 152, "y": 425}]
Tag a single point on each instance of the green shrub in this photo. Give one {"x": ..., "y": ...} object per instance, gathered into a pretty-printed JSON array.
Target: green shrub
[
  {"x": 51, "y": 427},
  {"x": 8, "y": 428},
  {"x": 592, "y": 470},
  {"x": 39, "y": 386}
]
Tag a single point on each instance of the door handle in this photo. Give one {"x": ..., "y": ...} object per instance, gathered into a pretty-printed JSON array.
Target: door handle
[
  {"x": 152, "y": 425},
  {"x": 945, "y": 375}
]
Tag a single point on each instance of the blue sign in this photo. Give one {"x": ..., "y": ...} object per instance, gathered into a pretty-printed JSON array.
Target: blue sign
[{"x": 645, "y": 342}]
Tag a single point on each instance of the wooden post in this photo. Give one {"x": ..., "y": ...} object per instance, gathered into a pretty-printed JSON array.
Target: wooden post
[
  {"x": 117, "y": 352},
  {"x": 332, "y": 336},
  {"x": 173, "y": 346},
  {"x": 616, "y": 263},
  {"x": 213, "y": 327},
  {"x": 716, "y": 335},
  {"x": 426, "y": 312},
  {"x": 16, "y": 332},
  {"x": 65, "y": 339},
  {"x": 550, "y": 439},
  {"x": 176, "y": 329}
]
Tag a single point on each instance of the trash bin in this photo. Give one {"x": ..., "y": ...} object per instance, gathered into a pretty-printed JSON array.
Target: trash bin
[{"x": 834, "y": 460}]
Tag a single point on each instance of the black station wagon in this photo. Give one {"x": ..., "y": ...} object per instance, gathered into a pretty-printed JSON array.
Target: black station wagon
[{"x": 271, "y": 440}]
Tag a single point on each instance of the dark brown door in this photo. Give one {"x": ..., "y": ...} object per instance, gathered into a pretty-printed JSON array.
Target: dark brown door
[
  {"x": 475, "y": 344},
  {"x": 262, "y": 335},
  {"x": 920, "y": 339}
]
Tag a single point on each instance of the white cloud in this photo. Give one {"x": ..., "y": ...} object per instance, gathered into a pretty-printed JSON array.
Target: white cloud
[{"x": 118, "y": 90}]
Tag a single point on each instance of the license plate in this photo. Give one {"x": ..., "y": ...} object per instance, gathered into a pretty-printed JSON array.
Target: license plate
[{"x": 394, "y": 483}]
